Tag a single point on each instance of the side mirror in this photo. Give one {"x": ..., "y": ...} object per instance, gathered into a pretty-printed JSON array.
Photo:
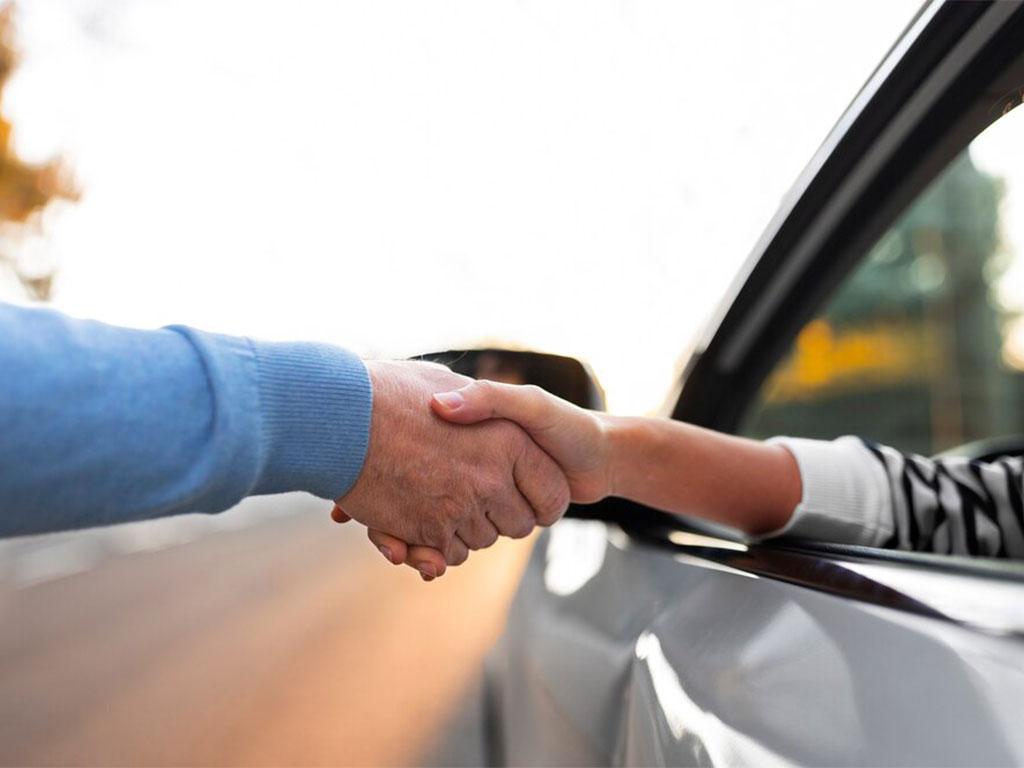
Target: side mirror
[{"x": 564, "y": 377}]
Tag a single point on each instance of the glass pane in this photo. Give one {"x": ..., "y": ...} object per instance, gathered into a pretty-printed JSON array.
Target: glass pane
[{"x": 922, "y": 347}]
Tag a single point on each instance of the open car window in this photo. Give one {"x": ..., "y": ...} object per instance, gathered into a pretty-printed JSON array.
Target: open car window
[{"x": 922, "y": 346}]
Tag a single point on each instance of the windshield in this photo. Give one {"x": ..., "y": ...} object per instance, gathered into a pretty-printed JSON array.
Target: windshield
[{"x": 399, "y": 178}]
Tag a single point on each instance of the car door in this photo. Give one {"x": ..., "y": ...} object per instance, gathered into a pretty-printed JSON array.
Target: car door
[{"x": 879, "y": 299}]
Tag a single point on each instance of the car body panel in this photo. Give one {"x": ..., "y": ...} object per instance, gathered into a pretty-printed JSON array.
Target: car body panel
[{"x": 620, "y": 653}]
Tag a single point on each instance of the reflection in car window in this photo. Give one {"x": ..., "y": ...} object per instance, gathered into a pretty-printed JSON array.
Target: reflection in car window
[{"x": 922, "y": 346}]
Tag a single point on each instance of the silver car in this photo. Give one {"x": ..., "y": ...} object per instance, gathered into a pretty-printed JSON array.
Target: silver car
[{"x": 883, "y": 300}]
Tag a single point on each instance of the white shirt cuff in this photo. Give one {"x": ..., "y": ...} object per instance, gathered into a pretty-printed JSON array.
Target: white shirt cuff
[{"x": 846, "y": 494}]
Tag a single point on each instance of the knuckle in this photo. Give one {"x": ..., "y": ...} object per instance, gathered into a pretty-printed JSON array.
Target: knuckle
[
  {"x": 484, "y": 386},
  {"x": 493, "y": 530},
  {"x": 457, "y": 555},
  {"x": 521, "y": 531},
  {"x": 553, "y": 504},
  {"x": 479, "y": 533},
  {"x": 487, "y": 537},
  {"x": 521, "y": 526},
  {"x": 491, "y": 485}
]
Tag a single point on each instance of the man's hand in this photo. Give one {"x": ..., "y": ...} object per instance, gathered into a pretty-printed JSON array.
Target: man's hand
[
  {"x": 442, "y": 486},
  {"x": 576, "y": 438}
]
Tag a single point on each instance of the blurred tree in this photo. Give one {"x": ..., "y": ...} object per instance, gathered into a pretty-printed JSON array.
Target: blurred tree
[{"x": 25, "y": 188}]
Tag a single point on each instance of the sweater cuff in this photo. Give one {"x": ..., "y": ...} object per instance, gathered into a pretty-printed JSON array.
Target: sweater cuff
[
  {"x": 316, "y": 401},
  {"x": 846, "y": 497}
]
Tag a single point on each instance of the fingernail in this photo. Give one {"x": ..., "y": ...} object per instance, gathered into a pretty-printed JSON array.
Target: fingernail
[
  {"x": 386, "y": 551},
  {"x": 427, "y": 571},
  {"x": 450, "y": 400}
]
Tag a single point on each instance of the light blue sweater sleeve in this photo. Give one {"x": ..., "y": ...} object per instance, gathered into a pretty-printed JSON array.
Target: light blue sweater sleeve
[{"x": 100, "y": 424}]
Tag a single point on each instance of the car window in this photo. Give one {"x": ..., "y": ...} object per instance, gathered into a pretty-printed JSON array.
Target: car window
[{"x": 922, "y": 345}]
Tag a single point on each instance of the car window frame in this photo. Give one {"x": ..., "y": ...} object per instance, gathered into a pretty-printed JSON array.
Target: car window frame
[{"x": 872, "y": 167}]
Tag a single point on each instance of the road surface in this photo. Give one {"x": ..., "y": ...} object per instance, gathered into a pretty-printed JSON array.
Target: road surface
[{"x": 275, "y": 640}]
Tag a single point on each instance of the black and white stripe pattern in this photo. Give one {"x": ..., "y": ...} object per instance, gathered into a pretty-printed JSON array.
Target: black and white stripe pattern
[{"x": 955, "y": 505}]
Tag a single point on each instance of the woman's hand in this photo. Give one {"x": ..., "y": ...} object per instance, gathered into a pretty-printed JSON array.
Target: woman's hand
[{"x": 575, "y": 438}]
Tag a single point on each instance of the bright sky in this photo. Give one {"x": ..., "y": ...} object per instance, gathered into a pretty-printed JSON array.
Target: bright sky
[
  {"x": 997, "y": 151},
  {"x": 582, "y": 177}
]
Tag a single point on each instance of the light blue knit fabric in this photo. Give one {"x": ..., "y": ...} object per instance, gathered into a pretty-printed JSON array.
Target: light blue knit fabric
[{"x": 101, "y": 425}]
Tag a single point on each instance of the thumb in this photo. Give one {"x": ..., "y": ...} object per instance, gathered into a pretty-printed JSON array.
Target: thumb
[{"x": 528, "y": 406}]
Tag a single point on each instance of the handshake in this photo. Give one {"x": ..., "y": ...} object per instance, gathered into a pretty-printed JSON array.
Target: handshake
[{"x": 455, "y": 463}]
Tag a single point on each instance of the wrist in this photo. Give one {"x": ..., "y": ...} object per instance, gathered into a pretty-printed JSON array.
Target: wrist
[
  {"x": 620, "y": 443},
  {"x": 782, "y": 492}
]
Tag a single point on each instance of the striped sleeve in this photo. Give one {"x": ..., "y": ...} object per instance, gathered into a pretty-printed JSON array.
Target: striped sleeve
[{"x": 858, "y": 492}]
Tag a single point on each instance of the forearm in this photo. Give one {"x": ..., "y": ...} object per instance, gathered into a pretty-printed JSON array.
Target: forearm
[
  {"x": 101, "y": 424},
  {"x": 684, "y": 469}
]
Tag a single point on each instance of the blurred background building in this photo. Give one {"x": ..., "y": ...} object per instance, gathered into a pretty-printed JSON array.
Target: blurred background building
[{"x": 920, "y": 349}]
